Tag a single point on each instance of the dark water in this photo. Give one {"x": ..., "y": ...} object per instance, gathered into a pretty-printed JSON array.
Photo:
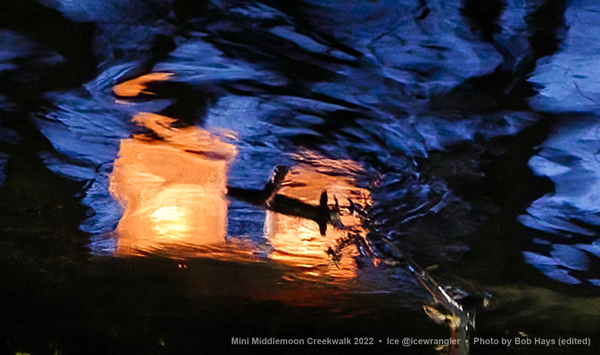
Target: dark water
[{"x": 136, "y": 139}]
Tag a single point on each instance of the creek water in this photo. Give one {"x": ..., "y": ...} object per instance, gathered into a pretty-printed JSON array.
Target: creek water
[{"x": 456, "y": 143}]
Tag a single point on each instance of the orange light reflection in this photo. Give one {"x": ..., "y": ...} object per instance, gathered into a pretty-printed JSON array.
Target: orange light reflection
[
  {"x": 297, "y": 242},
  {"x": 173, "y": 189},
  {"x": 137, "y": 86}
]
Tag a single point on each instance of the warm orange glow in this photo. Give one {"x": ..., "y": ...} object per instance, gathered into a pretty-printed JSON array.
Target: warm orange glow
[
  {"x": 134, "y": 87},
  {"x": 173, "y": 190},
  {"x": 297, "y": 242}
]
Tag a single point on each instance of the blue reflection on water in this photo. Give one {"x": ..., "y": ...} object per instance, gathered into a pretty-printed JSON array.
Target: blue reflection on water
[
  {"x": 110, "y": 10},
  {"x": 567, "y": 80},
  {"x": 386, "y": 117},
  {"x": 569, "y": 157},
  {"x": 3, "y": 161},
  {"x": 369, "y": 82},
  {"x": 401, "y": 110}
]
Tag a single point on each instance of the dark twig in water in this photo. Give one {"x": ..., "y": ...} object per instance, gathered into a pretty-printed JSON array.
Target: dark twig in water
[
  {"x": 269, "y": 198},
  {"x": 445, "y": 307}
]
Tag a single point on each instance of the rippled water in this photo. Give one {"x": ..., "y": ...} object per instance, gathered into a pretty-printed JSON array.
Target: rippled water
[{"x": 431, "y": 149}]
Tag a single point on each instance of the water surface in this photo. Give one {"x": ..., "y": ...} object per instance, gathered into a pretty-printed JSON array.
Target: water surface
[{"x": 450, "y": 137}]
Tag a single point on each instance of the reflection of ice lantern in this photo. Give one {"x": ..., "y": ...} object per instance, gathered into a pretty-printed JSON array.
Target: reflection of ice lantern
[
  {"x": 297, "y": 241},
  {"x": 173, "y": 189}
]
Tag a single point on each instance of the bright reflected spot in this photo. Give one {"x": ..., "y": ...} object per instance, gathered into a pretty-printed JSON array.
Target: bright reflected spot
[
  {"x": 173, "y": 189},
  {"x": 137, "y": 86},
  {"x": 171, "y": 220}
]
